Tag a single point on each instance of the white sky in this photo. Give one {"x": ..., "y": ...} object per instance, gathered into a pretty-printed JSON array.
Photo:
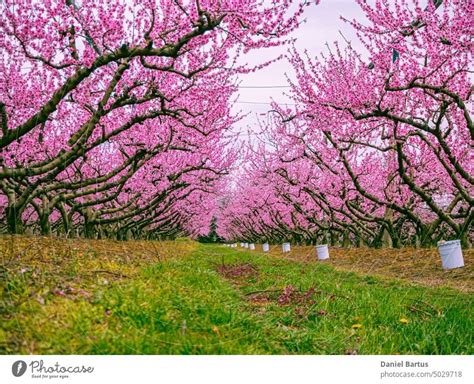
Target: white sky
[{"x": 322, "y": 26}]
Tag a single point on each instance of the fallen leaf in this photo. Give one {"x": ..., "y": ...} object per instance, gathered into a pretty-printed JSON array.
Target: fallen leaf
[
  {"x": 58, "y": 292},
  {"x": 356, "y": 326}
]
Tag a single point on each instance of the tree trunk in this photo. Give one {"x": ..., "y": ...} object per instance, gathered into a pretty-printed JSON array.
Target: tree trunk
[
  {"x": 66, "y": 222},
  {"x": 14, "y": 222},
  {"x": 465, "y": 240},
  {"x": 346, "y": 242},
  {"x": 386, "y": 235},
  {"x": 45, "y": 224},
  {"x": 89, "y": 229}
]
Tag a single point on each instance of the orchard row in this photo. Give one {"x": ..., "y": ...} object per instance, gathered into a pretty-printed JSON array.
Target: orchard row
[
  {"x": 115, "y": 116},
  {"x": 378, "y": 151}
]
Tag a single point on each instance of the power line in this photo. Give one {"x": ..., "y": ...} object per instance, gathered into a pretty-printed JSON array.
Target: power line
[
  {"x": 264, "y": 86},
  {"x": 265, "y": 103}
]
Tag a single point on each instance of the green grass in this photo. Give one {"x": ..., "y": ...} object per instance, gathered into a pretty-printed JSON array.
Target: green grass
[{"x": 184, "y": 305}]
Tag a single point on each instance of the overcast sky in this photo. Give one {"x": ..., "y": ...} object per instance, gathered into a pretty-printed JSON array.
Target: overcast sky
[{"x": 322, "y": 26}]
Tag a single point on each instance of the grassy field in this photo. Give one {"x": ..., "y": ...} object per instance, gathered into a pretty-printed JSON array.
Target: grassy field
[{"x": 106, "y": 297}]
